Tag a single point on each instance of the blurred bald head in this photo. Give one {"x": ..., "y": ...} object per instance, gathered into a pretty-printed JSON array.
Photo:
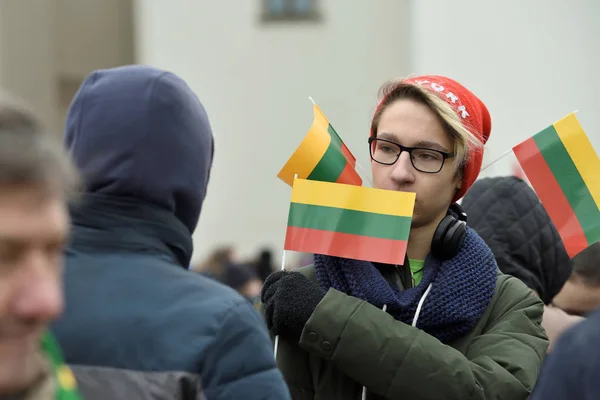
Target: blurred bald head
[{"x": 581, "y": 293}]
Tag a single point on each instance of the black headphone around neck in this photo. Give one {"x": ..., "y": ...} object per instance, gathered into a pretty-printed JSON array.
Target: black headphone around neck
[{"x": 450, "y": 234}]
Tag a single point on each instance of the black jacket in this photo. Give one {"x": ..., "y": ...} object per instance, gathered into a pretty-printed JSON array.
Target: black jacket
[{"x": 507, "y": 214}]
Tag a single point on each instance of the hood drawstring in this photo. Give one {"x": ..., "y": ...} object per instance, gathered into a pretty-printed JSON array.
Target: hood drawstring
[{"x": 420, "y": 305}]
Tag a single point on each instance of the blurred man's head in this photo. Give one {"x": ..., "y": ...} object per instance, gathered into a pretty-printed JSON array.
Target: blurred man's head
[
  {"x": 244, "y": 279},
  {"x": 35, "y": 180},
  {"x": 581, "y": 293}
]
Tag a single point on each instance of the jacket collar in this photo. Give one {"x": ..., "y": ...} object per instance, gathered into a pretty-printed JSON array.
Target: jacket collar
[{"x": 110, "y": 222}]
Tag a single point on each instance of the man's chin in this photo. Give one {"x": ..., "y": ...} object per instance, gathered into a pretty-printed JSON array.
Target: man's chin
[
  {"x": 16, "y": 376},
  {"x": 417, "y": 221}
]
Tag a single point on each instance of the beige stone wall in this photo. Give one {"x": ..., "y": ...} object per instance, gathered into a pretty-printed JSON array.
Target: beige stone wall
[{"x": 48, "y": 46}]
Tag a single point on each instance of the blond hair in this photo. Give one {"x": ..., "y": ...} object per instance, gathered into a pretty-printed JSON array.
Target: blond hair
[{"x": 453, "y": 125}]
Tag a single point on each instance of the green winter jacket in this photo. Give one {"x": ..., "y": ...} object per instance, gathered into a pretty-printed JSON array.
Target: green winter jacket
[{"x": 348, "y": 343}]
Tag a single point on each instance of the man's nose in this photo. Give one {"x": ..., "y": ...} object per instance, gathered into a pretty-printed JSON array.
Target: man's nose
[
  {"x": 39, "y": 293},
  {"x": 403, "y": 171}
]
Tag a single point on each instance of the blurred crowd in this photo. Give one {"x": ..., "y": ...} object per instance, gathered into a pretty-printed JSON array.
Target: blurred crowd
[{"x": 245, "y": 276}]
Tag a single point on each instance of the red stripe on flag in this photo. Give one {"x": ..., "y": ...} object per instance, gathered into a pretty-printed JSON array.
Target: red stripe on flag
[
  {"x": 552, "y": 196},
  {"x": 346, "y": 152},
  {"x": 344, "y": 245},
  {"x": 349, "y": 176}
]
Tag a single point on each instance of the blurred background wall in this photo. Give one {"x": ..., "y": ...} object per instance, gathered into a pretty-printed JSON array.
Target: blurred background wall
[
  {"x": 254, "y": 76},
  {"x": 253, "y": 64},
  {"x": 532, "y": 61}
]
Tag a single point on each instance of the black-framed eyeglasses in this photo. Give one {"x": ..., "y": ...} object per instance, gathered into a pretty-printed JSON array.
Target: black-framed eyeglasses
[{"x": 426, "y": 160}]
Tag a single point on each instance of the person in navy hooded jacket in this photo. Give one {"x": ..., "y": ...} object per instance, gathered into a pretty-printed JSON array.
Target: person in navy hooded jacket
[{"x": 138, "y": 324}]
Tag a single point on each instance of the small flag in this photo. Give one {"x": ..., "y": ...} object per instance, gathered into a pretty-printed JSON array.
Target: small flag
[
  {"x": 349, "y": 221},
  {"x": 66, "y": 385},
  {"x": 564, "y": 170},
  {"x": 322, "y": 156}
]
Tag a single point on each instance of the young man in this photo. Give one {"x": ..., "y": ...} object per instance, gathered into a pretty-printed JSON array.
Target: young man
[
  {"x": 453, "y": 326},
  {"x": 138, "y": 324},
  {"x": 36, "y": 180}
]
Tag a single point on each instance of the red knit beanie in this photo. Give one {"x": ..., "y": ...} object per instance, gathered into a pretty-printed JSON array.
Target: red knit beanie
[{"x": 472, "y": 112}]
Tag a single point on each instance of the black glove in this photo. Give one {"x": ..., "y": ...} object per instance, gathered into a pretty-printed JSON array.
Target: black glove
[{"x": 289, "y": 299}]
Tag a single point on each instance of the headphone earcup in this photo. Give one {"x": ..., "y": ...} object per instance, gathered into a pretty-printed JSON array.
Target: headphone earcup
[{"x": 448, "y": 237}]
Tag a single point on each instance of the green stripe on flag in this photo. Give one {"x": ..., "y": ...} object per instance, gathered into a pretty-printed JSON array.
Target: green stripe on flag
[
  {"x": 568, "y": 177},
  {"x": 335, "y": 138},
  {"x": 330, "y": 166},
  {"x": 349, "y": 221}
]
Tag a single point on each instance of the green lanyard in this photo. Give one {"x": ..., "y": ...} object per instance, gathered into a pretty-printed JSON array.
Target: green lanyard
[{"x": 66, "y": 386}]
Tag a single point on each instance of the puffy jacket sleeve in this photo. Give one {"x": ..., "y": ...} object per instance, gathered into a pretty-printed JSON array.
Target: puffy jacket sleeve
[
  {"x": 397, "y": 361},
  {"x": 243, "y": 365}
]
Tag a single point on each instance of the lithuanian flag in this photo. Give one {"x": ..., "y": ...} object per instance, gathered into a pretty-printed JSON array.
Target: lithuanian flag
[
  {"x": 66, "y": 385},
  {"x": 564, "y": 170},
  {"x": 349, "y": 221},
  {"x": 322, "y": 156}
]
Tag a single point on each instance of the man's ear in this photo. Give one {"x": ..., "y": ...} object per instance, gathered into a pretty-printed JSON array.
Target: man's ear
[{"x": 458, "y": 178}]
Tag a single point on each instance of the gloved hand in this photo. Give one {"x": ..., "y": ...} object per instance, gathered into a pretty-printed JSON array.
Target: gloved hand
[{"x": 289, "y": 299}]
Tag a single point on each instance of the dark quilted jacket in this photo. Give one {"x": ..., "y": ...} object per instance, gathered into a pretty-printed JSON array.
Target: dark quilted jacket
[{"x": 508, "y": 215}]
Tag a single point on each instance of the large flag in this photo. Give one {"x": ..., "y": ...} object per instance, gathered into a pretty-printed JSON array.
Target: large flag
[
  {"x": 322, "y": 156},
  {"x": 349, "y": 221},
  {"x": 564, "y": 170}
]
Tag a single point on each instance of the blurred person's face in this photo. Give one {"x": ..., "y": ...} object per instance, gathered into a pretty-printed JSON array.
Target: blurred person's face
[
  {"x": 33, "y": 232},
  {"x": 251, "y": 288},
  {"x": 411, "y": 124},
  {"x": 577, "y": 298}
]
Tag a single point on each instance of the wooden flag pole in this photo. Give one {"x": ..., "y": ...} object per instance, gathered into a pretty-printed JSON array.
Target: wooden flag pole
[
  {"x": 276, "y": 344},
  {"x": 507, "y": 152},
  {"x": 277, "y": 337}
]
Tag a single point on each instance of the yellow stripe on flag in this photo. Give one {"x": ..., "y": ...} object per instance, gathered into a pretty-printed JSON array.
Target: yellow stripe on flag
[
  {"x": 353, "y": 197},
  {"x": 309, "y": 153},
  {"x": 320, "y": 119},
  {"x": 582, "y": 153}
]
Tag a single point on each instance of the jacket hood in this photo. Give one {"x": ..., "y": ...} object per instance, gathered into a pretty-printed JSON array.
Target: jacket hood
[
  {"x": 508, "y": 215},
  {"x": 140, "y": 132}
]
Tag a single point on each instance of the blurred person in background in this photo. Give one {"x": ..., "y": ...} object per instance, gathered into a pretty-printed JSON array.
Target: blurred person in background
[
  {"x": 454, "y": 327},
  {"x": 581, "y": 293},
  {"x": 508, "y": 215},
  {"x": 244, "y": 279},
  {"x": 36, "y": 181},
  {"x": 264, "y": 264},
  {"x": 214, "y": 266},
  {"x": 138, "y": 323}
]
